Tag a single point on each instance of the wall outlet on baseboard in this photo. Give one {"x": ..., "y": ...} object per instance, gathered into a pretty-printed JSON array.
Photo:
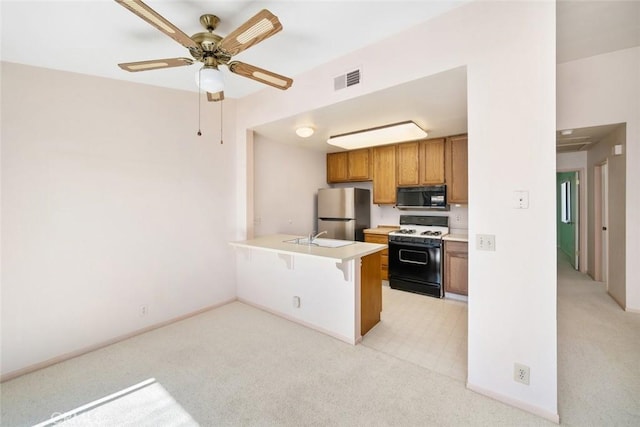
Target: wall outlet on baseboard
[{"x": 521, "y": 373}]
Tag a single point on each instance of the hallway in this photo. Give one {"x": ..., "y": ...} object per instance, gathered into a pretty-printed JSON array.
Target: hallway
[{"x": 598, "y": 350}]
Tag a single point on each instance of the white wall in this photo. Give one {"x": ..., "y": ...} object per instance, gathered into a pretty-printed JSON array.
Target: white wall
[
  {"x": 109, "y": 201},
  {"x": 509, "y": 51},
  {"x": 571, "y": 161},
  {"x": 286, "y": 180},
  {"x": 605, "y": 89}
]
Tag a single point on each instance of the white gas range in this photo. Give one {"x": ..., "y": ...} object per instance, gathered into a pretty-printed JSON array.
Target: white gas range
[
  {"x": 420, "y": 228},
  {"x": 415, "y": 254}
]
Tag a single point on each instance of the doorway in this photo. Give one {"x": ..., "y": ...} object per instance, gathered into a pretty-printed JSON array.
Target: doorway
[{"x": 569, "y": 222}]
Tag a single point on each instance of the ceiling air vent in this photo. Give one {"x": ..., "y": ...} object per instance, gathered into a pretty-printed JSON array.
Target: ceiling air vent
[{"x": 345, "y": 80}]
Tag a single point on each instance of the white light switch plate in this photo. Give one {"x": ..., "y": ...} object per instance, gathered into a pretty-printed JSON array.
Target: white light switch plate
[{"x": 485, "y": 242}]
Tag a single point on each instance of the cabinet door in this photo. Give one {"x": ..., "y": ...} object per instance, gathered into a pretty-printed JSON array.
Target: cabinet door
[
  {"x": 359, "y": 165},
  {"x": 432, "y": 162},
  {"x": 456, "y": 169},
  {"x": 384, "y": 254},
  {"x": 370, "y": 292},
  {"x": 456, "y": 268},
  {"x": 408, "y": 164},
  {"x": 384, "y": 175},
  {"x": 337, "y": 167}
]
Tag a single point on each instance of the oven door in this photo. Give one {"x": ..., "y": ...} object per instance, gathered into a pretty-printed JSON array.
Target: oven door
[{"x": 415, "y": 262}]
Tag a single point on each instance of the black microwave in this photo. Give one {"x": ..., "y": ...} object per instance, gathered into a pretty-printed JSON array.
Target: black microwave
[{"x": 433, "y": 197}]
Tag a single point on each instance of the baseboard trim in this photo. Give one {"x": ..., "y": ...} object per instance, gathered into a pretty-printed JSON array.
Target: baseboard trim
[
  {"x": 553, "y": 417},
  {"x": 633, "y": 310},
  {"x": 70, "y": 355}
]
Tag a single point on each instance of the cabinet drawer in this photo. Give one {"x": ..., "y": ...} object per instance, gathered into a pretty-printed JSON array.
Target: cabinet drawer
[{"x": 382, "y": 239}]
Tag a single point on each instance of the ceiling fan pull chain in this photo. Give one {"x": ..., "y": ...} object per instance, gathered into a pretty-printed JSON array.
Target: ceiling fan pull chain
[
  {"x": 199, "y": 102},
  {"x": 221, "y": 103}
]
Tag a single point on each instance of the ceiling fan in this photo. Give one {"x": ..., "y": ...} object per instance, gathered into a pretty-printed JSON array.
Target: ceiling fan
[{"x": 211, "y": 49}]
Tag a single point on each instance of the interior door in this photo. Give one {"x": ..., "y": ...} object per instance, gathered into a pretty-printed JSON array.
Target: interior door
[{"x": 568, "y": 235}]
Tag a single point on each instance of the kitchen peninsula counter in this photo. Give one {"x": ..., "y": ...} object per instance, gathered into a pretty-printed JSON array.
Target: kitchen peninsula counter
[
  {"x": 278, "y": 243},
  {"x": 336, "y": 291}
]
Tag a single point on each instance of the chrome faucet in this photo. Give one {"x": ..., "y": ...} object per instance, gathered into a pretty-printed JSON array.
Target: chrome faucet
[{"x": 313, "y": 237}]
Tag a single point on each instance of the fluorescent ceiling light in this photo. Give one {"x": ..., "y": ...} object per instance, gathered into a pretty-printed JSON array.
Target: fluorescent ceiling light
[
  {"x": 388, "y": 134},
  {"x": 304, "y": 131}
]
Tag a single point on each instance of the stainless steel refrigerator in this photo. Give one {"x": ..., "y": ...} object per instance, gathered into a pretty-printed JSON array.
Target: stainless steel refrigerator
[{"x": 344, "y": 212}]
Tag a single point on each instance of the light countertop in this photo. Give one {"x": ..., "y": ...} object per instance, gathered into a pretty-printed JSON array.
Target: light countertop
[
  {"x": 381, "y": 229},
  {"x": 457, "y": 237},
  {"x": 276, "y": 243}
]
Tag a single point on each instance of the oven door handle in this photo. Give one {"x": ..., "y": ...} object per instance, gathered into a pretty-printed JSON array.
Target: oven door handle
[
  {"x": 408, "y": 261},
  {"x": 399, "y": 245}
]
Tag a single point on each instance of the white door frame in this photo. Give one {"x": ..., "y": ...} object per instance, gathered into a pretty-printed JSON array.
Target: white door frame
[{"x": 601, "y": 213}]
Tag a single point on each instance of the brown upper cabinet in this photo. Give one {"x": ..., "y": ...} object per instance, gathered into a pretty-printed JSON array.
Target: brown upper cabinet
[
  {"x": 346, "y": 166},
  {"x": 408, "y": 159},
  {"x": 432, "y": 162},
  {"x": 421, "y": 162},
  {"x": 384, "y": 175},
  {"x": 456, "y": 169},
  {"x": 426, "y": 162}
]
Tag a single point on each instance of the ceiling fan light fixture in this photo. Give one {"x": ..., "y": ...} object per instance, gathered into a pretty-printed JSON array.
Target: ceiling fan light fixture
[
  {"x": 304, "y": 131},
  {"x": 388, "y": 134},
  {"x": 209, "y": 79}
]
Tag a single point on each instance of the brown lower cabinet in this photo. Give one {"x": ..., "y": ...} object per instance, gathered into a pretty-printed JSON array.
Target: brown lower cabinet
[
  {"x": 382, "y": 239},
  {"x": 456, "y": 267},
  {"x": 370, "y": 292}
]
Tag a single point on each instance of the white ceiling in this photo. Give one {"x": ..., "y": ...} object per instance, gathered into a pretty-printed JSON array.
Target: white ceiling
[
  {"x": 91, "y": 37},
  {"x": 584, "y": 138}
]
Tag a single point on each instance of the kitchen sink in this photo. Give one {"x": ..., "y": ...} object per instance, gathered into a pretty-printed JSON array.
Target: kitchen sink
[{"x": 323, "y": 243}]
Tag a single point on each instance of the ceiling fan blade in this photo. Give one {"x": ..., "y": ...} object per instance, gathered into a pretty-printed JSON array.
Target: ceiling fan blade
[
  {"x": 260, "y": 75},
  {"x": 264, "y": 24},
  {"x": 155, "y": 64},
  {"x": 215, "y": 97},
  {"x": 155, "y": 19}
]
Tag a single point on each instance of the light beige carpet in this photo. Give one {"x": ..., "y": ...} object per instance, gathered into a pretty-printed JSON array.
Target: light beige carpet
[
  {"x": 146, "y": 404},
  {"x": 237, "y": 365}
]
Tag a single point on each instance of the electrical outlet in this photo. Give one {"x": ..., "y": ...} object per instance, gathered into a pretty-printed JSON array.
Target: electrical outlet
[
  {"x": 144, "y": 310},
  {"x": 521, "y": 199},
  {"x": 521, "y": 373}
]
